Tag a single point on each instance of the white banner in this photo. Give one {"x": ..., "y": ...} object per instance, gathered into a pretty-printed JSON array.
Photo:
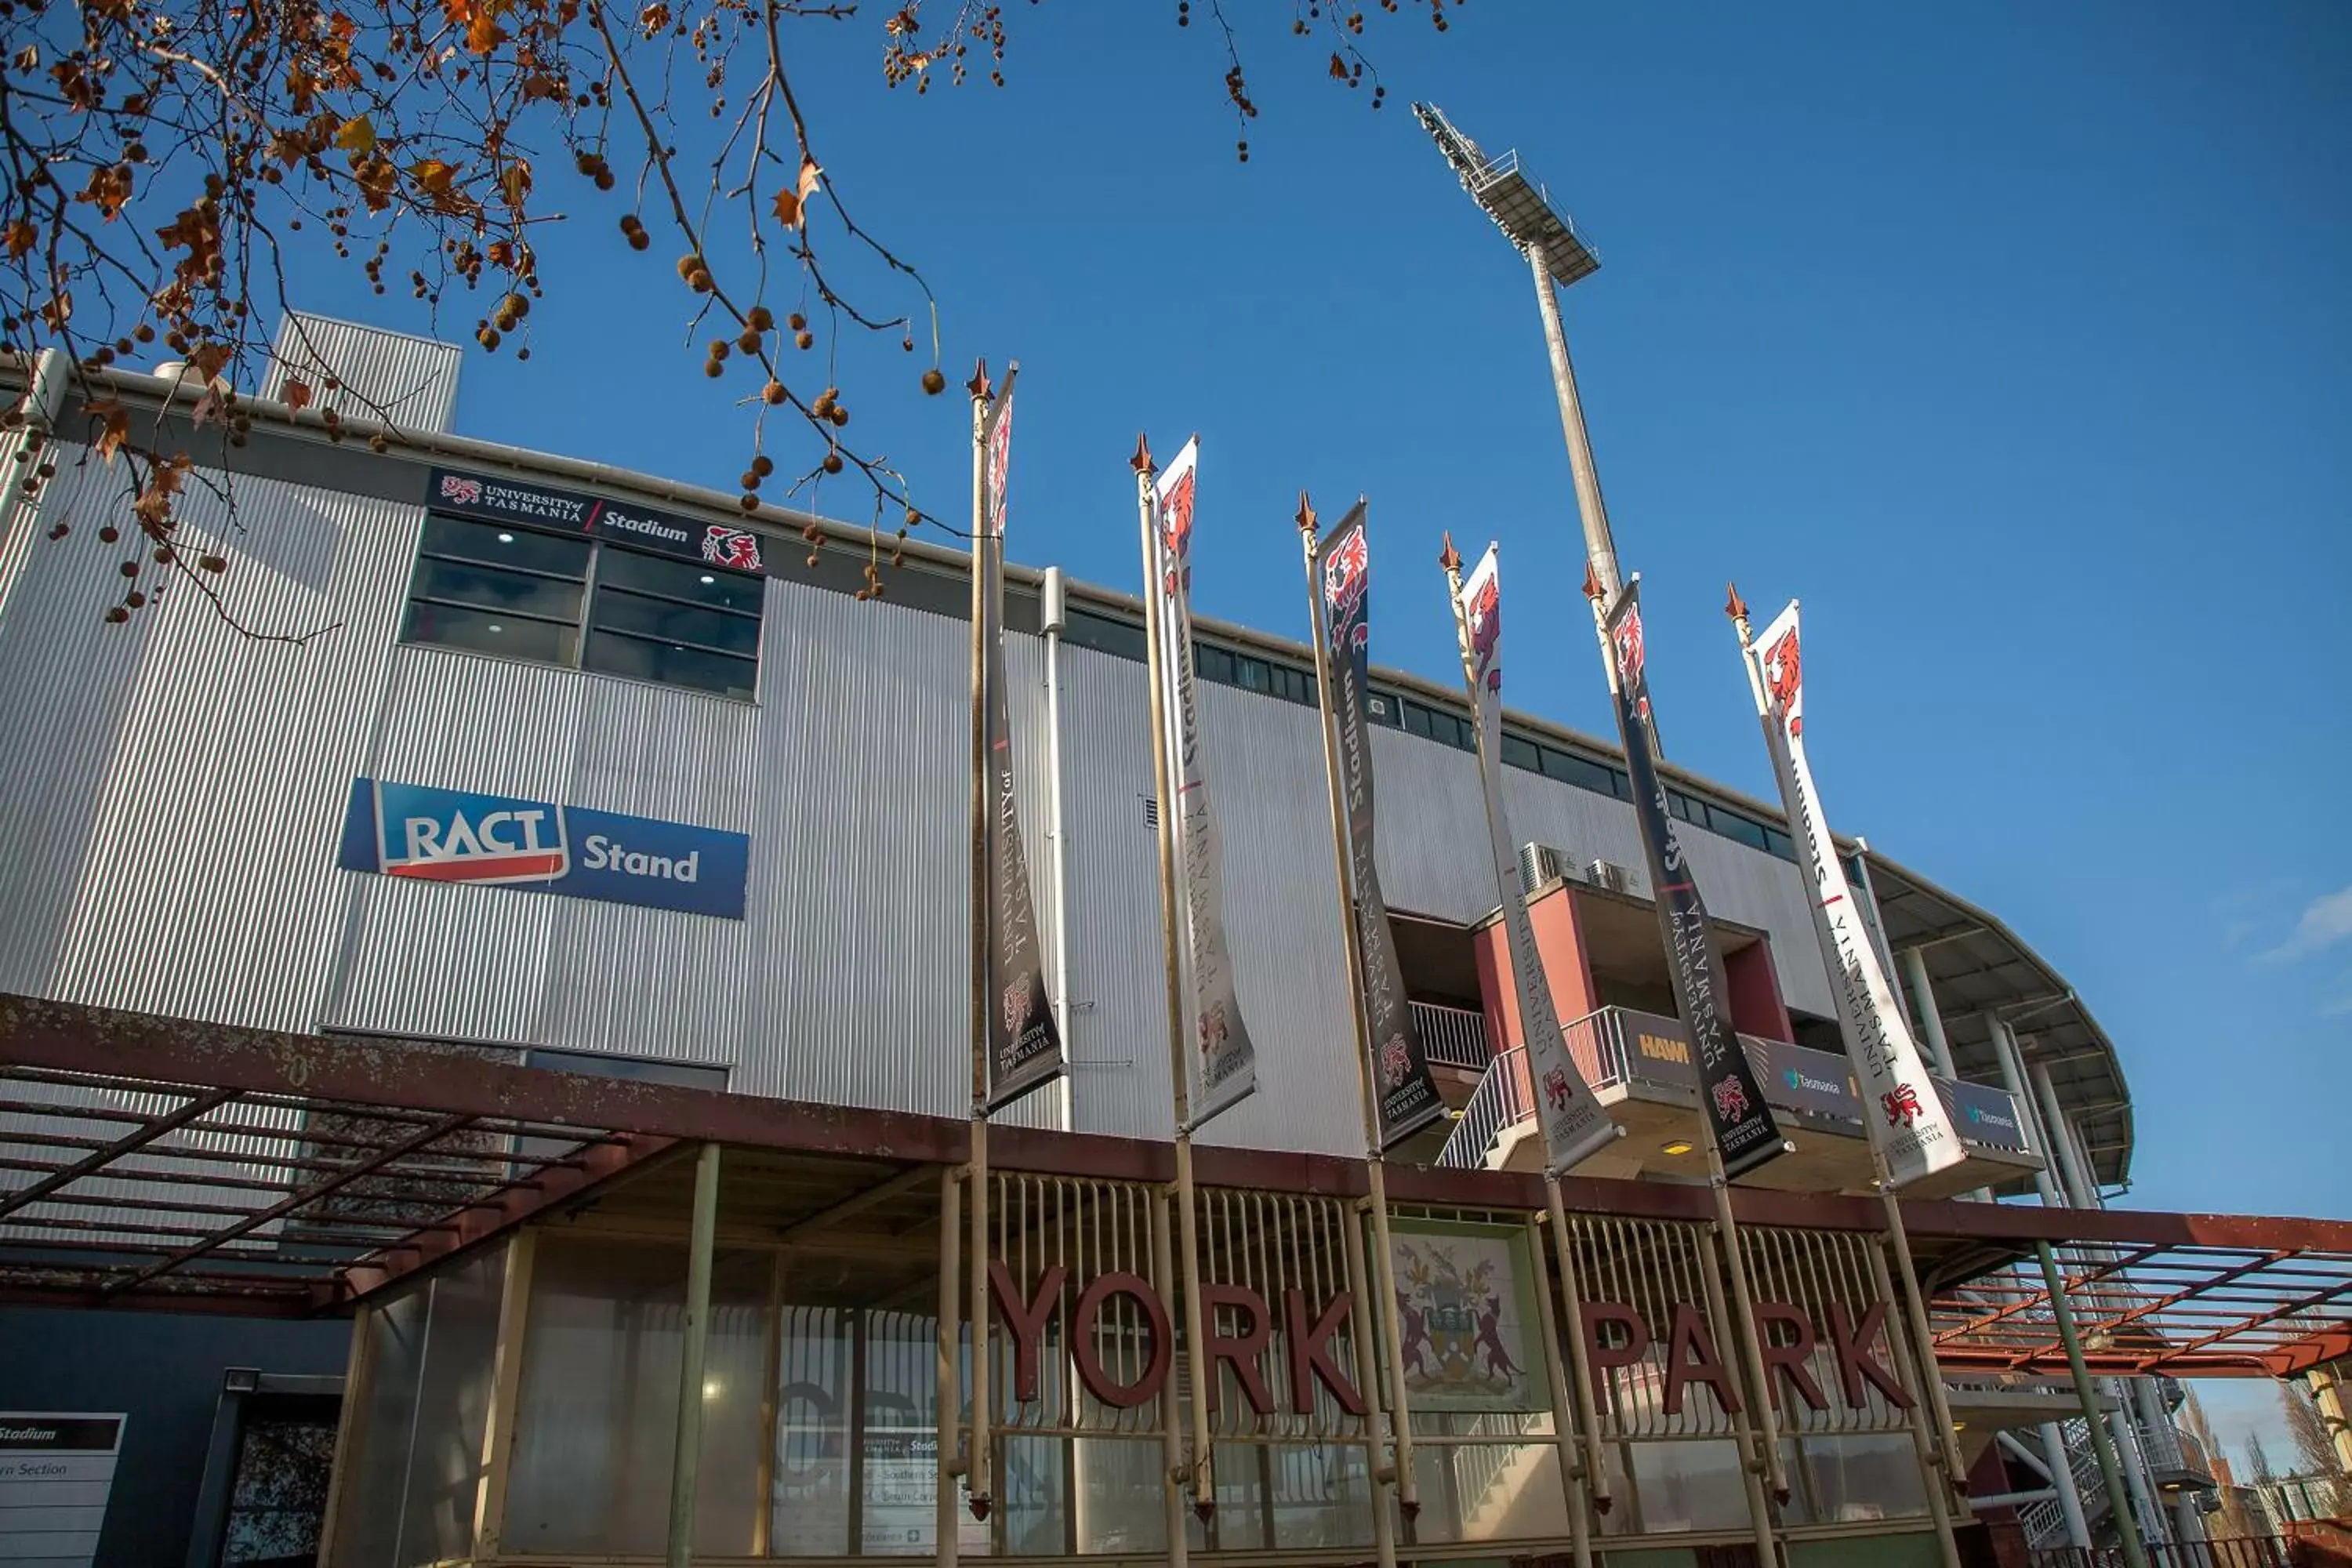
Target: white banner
[
  {"x": 1224, "y": 1067},
  {"x": 1906, "y": 1118},
  {"x": 1574, "y": 1124}
]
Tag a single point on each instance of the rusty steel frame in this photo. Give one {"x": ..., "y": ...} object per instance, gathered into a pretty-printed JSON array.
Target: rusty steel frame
[{"x": 2184, "y": 1294}]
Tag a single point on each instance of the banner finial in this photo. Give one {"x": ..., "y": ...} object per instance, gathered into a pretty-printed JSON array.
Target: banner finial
[
  {"x": 978, "y": 386},
  {"x": 1141, "y": 461},
  {"x": 1591, "y": 581},
  {"x": 1305, "y": 514},
  {"x": 1735, "y": 606},
  {"x": 1449, "y": 557}
]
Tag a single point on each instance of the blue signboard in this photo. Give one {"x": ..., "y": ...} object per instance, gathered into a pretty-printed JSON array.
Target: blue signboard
[{"x": 452, "y": 836}]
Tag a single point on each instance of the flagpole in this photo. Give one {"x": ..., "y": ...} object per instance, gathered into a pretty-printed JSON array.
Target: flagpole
[
  {"x": 1727, "y": 1227},
  {"x": 1204, "y": 1499},
  {"x": 1945, "y": 1453},
  {"x": 1586, "y": 1484},
  {"x": 1398, "y": 1472},
  {"x": 976, "y": 1464}
]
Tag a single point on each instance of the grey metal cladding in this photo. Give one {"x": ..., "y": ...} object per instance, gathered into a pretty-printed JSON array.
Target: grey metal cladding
[
  {"x": 411, "y": 381},
  {"x": 180, "y": 789}
]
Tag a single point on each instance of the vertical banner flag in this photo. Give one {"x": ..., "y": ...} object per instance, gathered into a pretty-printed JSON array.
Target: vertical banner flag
[
  {"x": 1024, "y": 1050},
  {"x": 1745, "y": 1133},
  {"x": 1906, "y": 1118},
  {"x": 1224, "y": 1068},
  {"x": 1573, "y": 1124},
  {"x": 1408, "y": 1099}
]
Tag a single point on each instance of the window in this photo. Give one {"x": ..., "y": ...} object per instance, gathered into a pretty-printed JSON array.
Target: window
[
  {"x": 1104, "y": 635},
  {"x": 1733, "y": 826},
  {"x": 1253, "y": 674},
  {"x": 1780, "y": 844},
  {"x": 1213, "y": 664},
  {"x": 596, "y": 1064},
  {"x": 1584, "y": 774},
  {"x": 1293, "y": 685},
  {"x": 1684, "y": 807},
  {"x": 1518, "y": 753},
  {"x": 1384, "y": 708},
  {"x": 513, "y": 592}
]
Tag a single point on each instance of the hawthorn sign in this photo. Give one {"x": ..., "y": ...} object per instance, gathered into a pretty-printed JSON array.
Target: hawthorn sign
[{"x": 1616, "y": 1336}]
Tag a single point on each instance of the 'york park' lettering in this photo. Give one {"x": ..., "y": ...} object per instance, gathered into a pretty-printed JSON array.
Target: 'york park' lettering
[{"x": 1238, "y": 1327}]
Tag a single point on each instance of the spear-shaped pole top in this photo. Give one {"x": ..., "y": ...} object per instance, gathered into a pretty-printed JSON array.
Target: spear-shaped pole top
[
  {"x": 1141, "y": 461},
  {"x": 1305, "y": 514},
  {"x": 1449, "y": 557},
  {"x": 978, "y": 386},
  {"x": 1735, "y": 606},
  {"x": 1592, "y": 589}
]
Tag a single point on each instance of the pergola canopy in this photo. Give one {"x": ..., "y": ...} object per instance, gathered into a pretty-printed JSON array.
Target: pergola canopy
[{"x": 151, "y": 1162}]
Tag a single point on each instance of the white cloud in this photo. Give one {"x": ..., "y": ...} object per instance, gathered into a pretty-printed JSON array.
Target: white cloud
[{"x": 2326, "y": 921}]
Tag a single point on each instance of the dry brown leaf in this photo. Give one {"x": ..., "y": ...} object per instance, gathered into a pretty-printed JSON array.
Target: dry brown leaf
[
  {"x": 297, "y": 394},
  {"x": 114, "y": 428},
  {"x": 356, "y": 135},
  {"x": 791, "y": 204}
]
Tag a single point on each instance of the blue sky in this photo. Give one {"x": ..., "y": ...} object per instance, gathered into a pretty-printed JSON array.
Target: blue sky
[{"x": 2017, "y": 341}]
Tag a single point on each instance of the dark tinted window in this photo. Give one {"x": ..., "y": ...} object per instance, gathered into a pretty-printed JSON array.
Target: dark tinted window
[
  {"x": 489, "y": 631},
  {"x": 1104, "y": 635},
  {"x": 1384, "y": 708},
  {"x": 1518, "y": 753},
  {"x": 520, "y": 592},
  {"x": 518, "y": 549},
  {"x": 671, "y": 664},
  {"x": 1731, "y": 825}
]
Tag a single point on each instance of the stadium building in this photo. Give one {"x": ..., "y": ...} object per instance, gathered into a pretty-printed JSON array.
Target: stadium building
[{"x": 401, "y": 1028}]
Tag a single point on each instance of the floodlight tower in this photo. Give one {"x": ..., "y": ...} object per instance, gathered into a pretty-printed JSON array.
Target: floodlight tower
[{"x": 1558, "y": 256}]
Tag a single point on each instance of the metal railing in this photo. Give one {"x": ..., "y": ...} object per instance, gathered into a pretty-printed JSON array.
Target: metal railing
[
  {"x": 1453, "y": 1036},
  {"x": 2242, "y": 1552},
  {"x": 1500, "y": 1100},
  {"x": 1795, "y": 1078}
]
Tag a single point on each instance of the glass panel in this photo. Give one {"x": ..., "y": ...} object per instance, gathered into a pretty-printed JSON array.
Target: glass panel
[
  {"x": 684, "y": 580},
  {"x": 597, "y": 1412},
  {"x": 1118, "y": 1481},
  {"x": 1213, "y": 664},
  {"x": 550, "y": 598},
  {"x": 808, "y": 1509},
  {"x": 488, "y": 631},
  {"x": 453, "y": 1401},
  {"x": 1685, "y": 809},
  {"x": 1322, "y": 1496},
  {"x": 1490, "y": 1491},
  {"x": 616, "y": 654},
  {"x": 1384, "y": 708},
  {"x": 666, "y": 620},
  {"x": 1518, "y": 753},
  {"x": 367, "y": 1522},
  {"x": 1780, "y": 844},
  {"x": 284, "y": 1457},
  {"x": 1418, "y": 720},
  {"x": 1848, "y": 1479},
  {"x": 517, "y": 547},
  {"x": 1687, "y": 1484},
  {"x": 1254, "y": 674},
  {"x": 1293, "y": 685},
  {"x": 1104, "y": 635},
  {"x": 1583, "y": 774},
  {"x": 1733, "y": 826}
]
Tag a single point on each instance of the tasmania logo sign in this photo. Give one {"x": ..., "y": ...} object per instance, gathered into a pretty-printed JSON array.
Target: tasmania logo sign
[{"x": 424, "y": 833}]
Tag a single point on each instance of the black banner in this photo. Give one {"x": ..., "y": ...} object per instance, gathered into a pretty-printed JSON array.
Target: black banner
[
  {"x": 1728, "y": 1090},
  {"x": 1025, "y": 1048},
  {"x": 490, "y": 499},
  {"x": 1408, "y": 1099}
]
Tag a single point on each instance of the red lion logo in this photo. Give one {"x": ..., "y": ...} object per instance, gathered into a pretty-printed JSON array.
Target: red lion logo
[
  {"x": 1016, "y": 1007},
  {"x": 465, "y": 492},
  {"x": 1902, "y": 1106},
  {"x": 730, "y": 547},
  {"x": 1556, "y": 1089},
  {"x": 1176, "y": 533},
  {"x": 1346, "y": 571},
  {"x": 1784, "y": 677},
  {"x": 1213, "y": 1029},
  {"x": 1730, "y": 1099},
  {"x": 1396, "y": 1061}
]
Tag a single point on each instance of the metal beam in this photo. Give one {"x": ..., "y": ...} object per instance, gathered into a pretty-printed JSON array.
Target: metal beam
[
  {"x": 97, "y": 1160},
  {"x": 858, "y": 1203},
  {"x": 414, "y": 1141}
]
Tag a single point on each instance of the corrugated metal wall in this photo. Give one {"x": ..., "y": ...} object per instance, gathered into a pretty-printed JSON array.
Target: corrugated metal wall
[
  {"x": 180, "y": 789},
  {"x": 411, "y": 381}
]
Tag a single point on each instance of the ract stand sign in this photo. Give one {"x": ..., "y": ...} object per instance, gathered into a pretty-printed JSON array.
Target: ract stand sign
[{"x": 453, "y": 836}]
